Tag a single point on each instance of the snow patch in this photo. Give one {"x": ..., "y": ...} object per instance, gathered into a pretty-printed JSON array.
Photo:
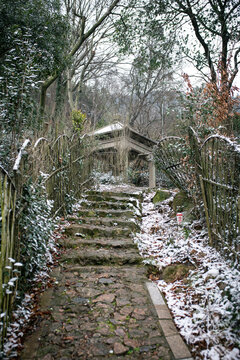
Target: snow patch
[{"x": 206, "y": 304}]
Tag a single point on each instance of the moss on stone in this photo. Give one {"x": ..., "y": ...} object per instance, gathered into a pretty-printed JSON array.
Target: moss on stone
[
  {"x": 176, "y": 272},
  {"x": 160, "y": 196},
  {"x": 182, "y": 202}
]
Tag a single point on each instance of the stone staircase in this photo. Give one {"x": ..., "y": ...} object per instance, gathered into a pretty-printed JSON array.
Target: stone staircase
[
  {"x": 100, "y": 231},
  {"x": 101, "y": 305}
]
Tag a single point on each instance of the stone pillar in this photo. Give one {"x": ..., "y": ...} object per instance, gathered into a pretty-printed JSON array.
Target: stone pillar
[
  {"x": 123, "y": 152},
  {"x": 152, "y": 174}
]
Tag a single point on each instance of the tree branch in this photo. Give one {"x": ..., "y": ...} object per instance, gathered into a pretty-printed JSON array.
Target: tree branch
[
  {"x": 235, "y": 71},
  {"x": 83, "y": 37},
  {"x": 93, "y": 28},
  {"x": 235, "y": 6},
  {"x": 189, "y": 12}
]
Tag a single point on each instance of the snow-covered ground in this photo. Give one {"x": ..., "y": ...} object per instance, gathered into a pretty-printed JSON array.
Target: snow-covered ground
[{"x": 205, "y": 304}]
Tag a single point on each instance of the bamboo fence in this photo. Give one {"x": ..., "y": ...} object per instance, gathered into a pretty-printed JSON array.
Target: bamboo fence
[
  {"x": 220, "y": 185},
  {"x": 172, "y": 156},
  {"x": 209, "y": 173},
  {"x": 8, "y": 278},
  {"x": 64, "y": 166}
]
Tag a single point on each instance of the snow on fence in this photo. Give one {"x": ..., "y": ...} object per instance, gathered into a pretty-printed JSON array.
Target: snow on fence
[
  {"x": 60, "y": 166},
  {"x": 10, "y": 191},
  {"x": 220, "y": 185},
  {"x": 8, "y": 266},
  {"x": 211, "y": 172}
]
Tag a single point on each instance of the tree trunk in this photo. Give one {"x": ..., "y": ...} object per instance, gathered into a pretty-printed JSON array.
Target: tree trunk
[{"x": 82, "y": 38}]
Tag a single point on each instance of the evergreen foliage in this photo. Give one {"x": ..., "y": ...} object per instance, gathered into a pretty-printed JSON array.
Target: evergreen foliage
[
  {"x": 32, "y": 45},
  {"x": 43, "y": 23},
  {"x": 78, "y": 119},
  {"x": 141, "y": 35},
  {"x": 35, "y": 227}
]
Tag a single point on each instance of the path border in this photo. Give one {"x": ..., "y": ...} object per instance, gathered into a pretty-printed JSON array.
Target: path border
[{"x": 174, "y": 339}]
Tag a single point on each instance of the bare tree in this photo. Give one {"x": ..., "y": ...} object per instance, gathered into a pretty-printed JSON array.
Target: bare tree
[{"x": 86, "y": 16}]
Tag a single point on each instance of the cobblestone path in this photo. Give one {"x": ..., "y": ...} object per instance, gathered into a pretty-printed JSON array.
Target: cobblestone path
[{"x": 100, "y": 307}]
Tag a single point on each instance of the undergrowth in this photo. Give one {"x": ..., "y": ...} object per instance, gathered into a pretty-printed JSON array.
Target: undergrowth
[{"x": 35, "y": 229}]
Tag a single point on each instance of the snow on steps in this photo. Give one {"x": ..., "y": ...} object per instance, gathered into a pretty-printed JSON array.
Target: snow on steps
[
  {"x": 101, "y": 230},
  {"x": 106, "y": 221},
  {"x": 110, "y": 213},
  {"x": 90, "y": 230}
]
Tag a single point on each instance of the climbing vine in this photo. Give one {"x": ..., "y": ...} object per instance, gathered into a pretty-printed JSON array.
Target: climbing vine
[{"x": 35, "y": 227}]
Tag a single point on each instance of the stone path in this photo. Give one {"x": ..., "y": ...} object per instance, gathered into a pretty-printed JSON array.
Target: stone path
[{"x": 102, "y": 306}]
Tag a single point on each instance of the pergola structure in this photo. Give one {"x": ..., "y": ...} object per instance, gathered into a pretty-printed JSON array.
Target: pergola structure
[{"x": 125, "y": 144}]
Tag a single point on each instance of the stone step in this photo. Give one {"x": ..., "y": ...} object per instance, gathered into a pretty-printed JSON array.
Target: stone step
[
  {"x": 123, "y": 194},
  {"x": 89, "y": 230},
  {"x": 108, "y": 205},
  {"x": 113, "y": 199},
  {"x": 89, "y": 256},
  {"x": 78, "y": 242},
  {"x": 131, "y": 224},
  {"x": 110, "y": 213}
]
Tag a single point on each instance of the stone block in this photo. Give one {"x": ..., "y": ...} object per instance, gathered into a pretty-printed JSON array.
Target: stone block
[
  {"x": 168, "y": 327},
  {"x": 178, "y": 347},
  {"x": 163, "y": 312},
  {"x": 155, "y": 294}
]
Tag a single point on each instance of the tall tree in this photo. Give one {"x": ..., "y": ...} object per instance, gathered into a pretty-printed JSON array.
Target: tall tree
[
  {"x": 216, "y": 28},
  {"x": 153, "y": 65},
  {"x": 43, "y": 23},
  {"x": 206, "y": 32},
  {"x": 86, "y": 26},
  {"x": 96, "y": 56}
]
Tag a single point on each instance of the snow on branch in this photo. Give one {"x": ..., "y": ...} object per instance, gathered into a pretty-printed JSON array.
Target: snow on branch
[{"x": 19, "y": 157}]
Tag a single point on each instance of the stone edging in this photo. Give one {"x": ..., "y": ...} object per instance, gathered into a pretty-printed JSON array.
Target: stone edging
[{"x": 175, "y": 341}]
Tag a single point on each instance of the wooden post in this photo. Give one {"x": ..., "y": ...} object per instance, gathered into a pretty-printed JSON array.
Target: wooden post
[{"x": 206, "y": 210}]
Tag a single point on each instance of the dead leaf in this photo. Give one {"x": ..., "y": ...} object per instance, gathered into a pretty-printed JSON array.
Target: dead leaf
[{"x": 71, "y": 338}]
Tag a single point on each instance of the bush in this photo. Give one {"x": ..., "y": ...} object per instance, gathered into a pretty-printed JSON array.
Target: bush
[
  {"x": 35, "y": 228},
  {"x": 138, "y": 177},
  {"x": 78, "y": 120}
]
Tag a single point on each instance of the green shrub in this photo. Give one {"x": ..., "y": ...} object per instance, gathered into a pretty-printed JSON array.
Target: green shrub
[
  {"x": 78, "y": 120},
  {"x": 35, "y": 228}
]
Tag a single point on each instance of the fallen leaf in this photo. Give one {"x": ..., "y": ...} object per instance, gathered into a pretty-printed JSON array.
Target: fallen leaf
[{"x": 68, "y": 338}]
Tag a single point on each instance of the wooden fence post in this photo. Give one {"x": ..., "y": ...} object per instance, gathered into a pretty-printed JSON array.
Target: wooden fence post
[
  {"x": 206, "y": 209},
  {"x": 7, "y": 293}
]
